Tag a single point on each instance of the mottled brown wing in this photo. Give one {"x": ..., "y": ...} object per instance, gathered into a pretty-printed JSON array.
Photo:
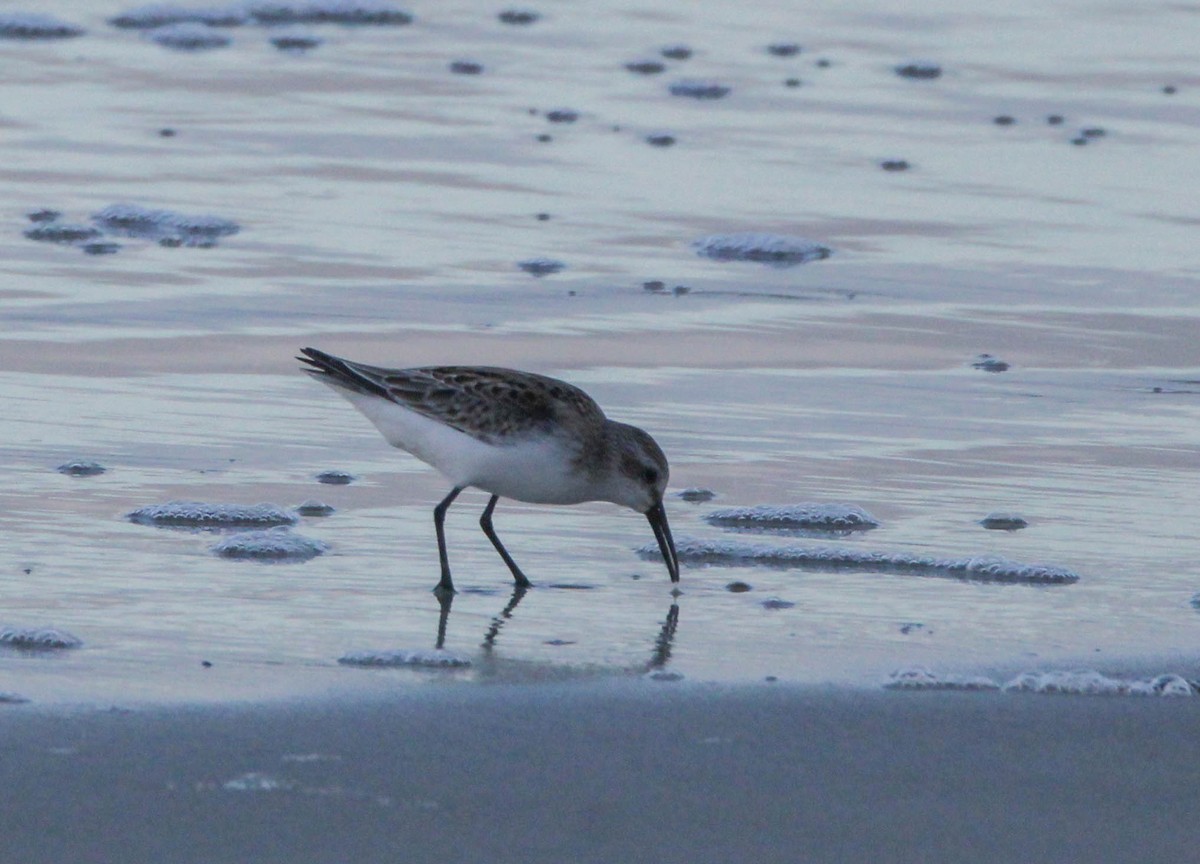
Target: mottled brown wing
[{"x": 489, "y": 403}]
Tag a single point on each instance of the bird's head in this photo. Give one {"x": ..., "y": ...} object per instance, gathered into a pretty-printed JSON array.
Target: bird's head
[{"x": 639, "y": 482}]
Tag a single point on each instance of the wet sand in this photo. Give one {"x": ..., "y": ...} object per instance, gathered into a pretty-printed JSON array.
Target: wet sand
[{"x": 609, "y": 772}]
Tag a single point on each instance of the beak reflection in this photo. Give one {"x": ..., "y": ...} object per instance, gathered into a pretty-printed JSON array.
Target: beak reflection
[{"x": 657, "y": 517}]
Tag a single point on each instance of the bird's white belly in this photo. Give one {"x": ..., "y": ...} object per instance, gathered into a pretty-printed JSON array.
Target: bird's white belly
[{"x": 537, "y": 470}]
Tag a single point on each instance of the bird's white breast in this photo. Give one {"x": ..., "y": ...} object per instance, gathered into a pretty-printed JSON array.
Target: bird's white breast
[{"x": 537, "y": 469}]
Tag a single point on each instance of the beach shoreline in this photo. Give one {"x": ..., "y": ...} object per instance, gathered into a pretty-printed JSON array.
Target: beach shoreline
[{"x": 607, "y": 771}]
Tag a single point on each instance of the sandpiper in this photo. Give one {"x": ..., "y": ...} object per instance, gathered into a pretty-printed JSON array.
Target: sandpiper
[{"x": 513, "y": 434}]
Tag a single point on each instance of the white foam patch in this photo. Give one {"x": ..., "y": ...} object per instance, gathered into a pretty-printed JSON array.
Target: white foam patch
[
  {"x": 770, "y": 249},
  {"x": 1088, "y": 682},
  {"x": 28, "y": 25},
  {"x": 198, "y": 514},
  {"x": 312, "y": 507},
  {"x": 295, "y": 40},
  {"x": 61, "y": 232},
  {"x": 329, "y": 11},
  {"x": 188, "y": 36},
  {"x": 256, "y": 781},
  {"x": 922, "y": 678},
  {"x": 435, "y": 658},
  {"x": 831, "y": 517},
  {"x": 984, "y": 568},
  {"x": 81, "y": 468},
  {"x": 777, "y": 603},
  {"x": 694, "y": 89},
  {"x": 541, "y": 266},
  {"x": 38, "y": 638},
  {"x": 1083, "y": 682},
  {"x": 138, "y": 221},
  {"x": 919, "y": 69},
  {"x": 1002, "y": 521},
  {"x": 272, "y": 545},
  {"x": 160, "y": 15}
]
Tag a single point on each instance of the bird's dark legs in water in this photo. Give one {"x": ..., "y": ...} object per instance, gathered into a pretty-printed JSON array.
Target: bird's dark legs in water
[
  {"x": 485, "y": 522},
  {"x": 445, "y": 584}
]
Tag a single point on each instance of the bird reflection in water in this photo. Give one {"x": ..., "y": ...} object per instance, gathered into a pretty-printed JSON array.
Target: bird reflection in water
[
  {"x": 663, "y": 642},
  {"x": 489, "y": 638}
]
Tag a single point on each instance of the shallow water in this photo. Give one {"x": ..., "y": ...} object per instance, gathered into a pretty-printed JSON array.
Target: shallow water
[{"x": 384, "y": 204}]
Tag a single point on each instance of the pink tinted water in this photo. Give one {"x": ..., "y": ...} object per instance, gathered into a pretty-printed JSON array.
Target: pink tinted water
[{"x": 384, "y": 204}]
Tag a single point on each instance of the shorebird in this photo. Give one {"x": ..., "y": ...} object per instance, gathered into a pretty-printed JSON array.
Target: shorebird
[{"x": 512, "y": 434}]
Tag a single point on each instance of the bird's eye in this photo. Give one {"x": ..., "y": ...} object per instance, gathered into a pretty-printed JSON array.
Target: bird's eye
[{"x": 649, "y": 476}]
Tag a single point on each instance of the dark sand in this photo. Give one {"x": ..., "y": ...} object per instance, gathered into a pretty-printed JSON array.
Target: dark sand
[{"x": 610, "y": 772}]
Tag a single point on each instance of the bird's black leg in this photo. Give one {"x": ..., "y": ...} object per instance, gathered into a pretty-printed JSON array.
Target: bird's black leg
[
  {"x": 445, "y": 584},
  {"x": 485, "y": 522}
]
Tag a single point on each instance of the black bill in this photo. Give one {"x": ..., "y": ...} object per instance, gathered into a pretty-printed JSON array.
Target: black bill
[{"x": 657, "y": 516}]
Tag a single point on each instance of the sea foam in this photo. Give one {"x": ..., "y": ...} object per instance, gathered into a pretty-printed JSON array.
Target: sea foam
[
  {"x": 273, "y": 545},
  {"x": 982, "y": 568},
  {"x": 791, "y": 517},
  {"x": 38, "y": 638},
  {"x": 436, "y": 658},
  {"x": 772, "y": 249},
  {"x": 199, "y": 514}
]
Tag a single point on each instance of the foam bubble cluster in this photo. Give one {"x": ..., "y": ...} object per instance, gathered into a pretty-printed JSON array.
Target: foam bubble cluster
[
  {"x": 988, "y": 363},
  {"x": 134, "y": 220},
  {"x": 27, "y": 25},
  {"x": 1004, "y": 521},
  {"x": 437, "y": 658},
  {"x": 925, "y": 70},
  {"x": 772, "y": 249},
  {"x": 1088, "y": 682},
  {"x": 699, "y": 89},
  {"x": 160, "y": 15},
  {"x": 37, "y": 638},
  {"x": 777, "y": 603},
  {"x": 61, "y": 232},
  {"x": 257, "y": 781},
  {"x": 518, "y": 16},
  {"x": 1083, "y": 682},
  {"x": 921, "y": 678},
  {"x": 312, "y": 507},
  {"x": 188, "y": 36},
  {"x": 646, "y": 66},
  {"x": 278, "y": 545},
  {"x": 376, "y": 12},
  {"x": 169, "y": 228},
  {"x": 827, "y": 517},
  {"x": 295, "y": 41},
  {"x": 198, "y": 514},
  {"x": 541, "y": 266},
  {"x": 984, "y": 568},
  {"x": 80, "y": 468}
]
